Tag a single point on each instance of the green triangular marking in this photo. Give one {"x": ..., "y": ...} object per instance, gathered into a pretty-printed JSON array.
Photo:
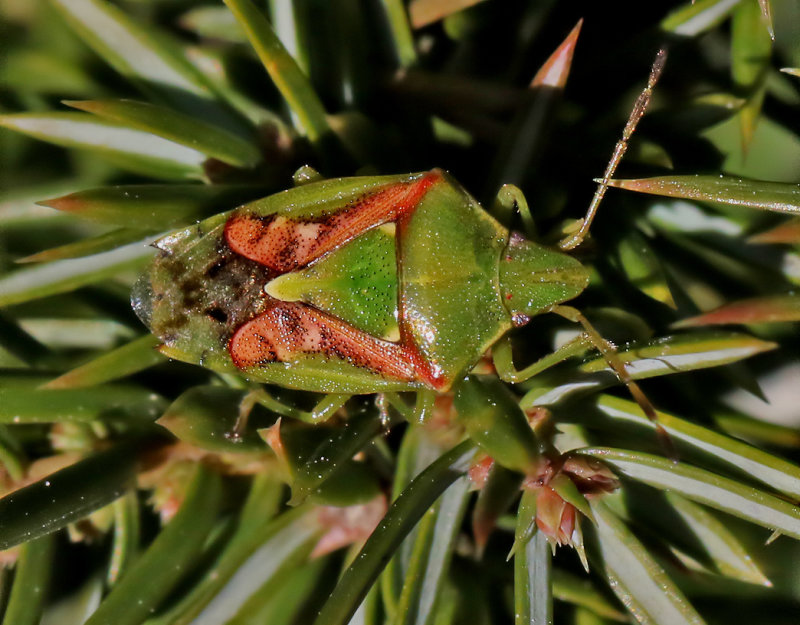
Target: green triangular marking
[{"x": 356, "y": 282}]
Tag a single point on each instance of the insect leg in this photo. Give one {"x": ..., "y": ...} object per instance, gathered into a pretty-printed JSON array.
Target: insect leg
[
  {"x": 504, "y": 363},
  {"x": 639, "y": 108},
  {"x": 610, "y": 355}
]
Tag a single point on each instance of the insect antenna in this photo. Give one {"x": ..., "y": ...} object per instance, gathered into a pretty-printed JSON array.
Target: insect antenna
[
  {"x": 610, "y": 355},
  {"x": 639, "y": 108}
]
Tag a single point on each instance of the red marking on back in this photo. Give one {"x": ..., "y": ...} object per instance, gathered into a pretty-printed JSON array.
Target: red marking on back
[
  {"x": 288, "y": 330},
  {"x": 283, "y": 244}
]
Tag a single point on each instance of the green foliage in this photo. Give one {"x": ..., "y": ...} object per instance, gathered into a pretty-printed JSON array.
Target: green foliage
[{"x": 136, "y": 489}]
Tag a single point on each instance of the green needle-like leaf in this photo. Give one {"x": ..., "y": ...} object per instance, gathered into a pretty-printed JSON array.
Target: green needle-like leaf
[
  {"x": 255, "y": 556},
  {"x": 155, "y": 206},
  {"x": 256, "y": 525},
  {"x": 31, "y": 582},
  {"x": 750, "y": 55},
  {"x": 767, "y": 309},
  {"x": 704, "y": 487},
  {"x": 19, "y": 343},
  {"x": 126, "y": 536},
  {"x": 402, "y": 36},
  {"x": 581, "y": 592},
  {"x": 664, "y": 356},
  {"x": 430, "y": 556},
  {"x": 402, "y": 516},
  {"x": 636, "y": 578},
  {"x": 528, "y": 132},
  {"x": 118, "y": 363},
  {"x": 771, "y": 196},
  {"x": 87, "y": 247},
  {"x": 150, "y": 59},
  {"x": 181, "y": 128},
  {"x": 67, "y": 275},
  {"x": 332, "y": 453},
  {"x": 138, "y": 151},
  {"x": 643, "y": 268},
  {"x": 686, "y": 352},
  {"x": 424, "y": 12},
  {"x": 66, "y": 496},
  {"x": 697, "y": 17},
  {"x": 722, "y": 547},
  {"x": 168, "y": 558},
  {"x": 28, "y": 405},
  {"x": 775, "y": 472},
  {"x": 214, "y": 22},
  {"x": 283, "y": 69},
  {"x": 533, "y": 599}
]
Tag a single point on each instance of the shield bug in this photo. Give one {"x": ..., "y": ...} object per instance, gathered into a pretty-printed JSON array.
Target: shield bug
[{"x": 360, "y": 285}]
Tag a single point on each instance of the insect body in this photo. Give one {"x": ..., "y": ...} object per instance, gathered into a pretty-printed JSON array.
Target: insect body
[{"x": 352, "y": 285}]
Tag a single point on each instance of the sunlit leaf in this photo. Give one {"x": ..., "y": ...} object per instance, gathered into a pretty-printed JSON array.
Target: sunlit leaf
[
  {"x": 257, "y": 554},
  {"x": 692, "y": 19},
  {"x": 636, "y": 578},
  {"x": 67, "y": 275},
  {"x": 533, "y": 600},
  {"x": 214, "y": 22},
  {"x": 150, "y": 59},
  {"x": 771, "y": 470},
  {"x": 770, "y": 196},
  {"x": 726, "y": 553},
  {"x": 759, "y": 431},
  {"x": 704, "y": 487},
  {"x": 283, "y": 69},
  {"x": 180, "y": 128},
  {"x": 685, "y": 352},
  {"x": 132, "y": 149},
  {"x": 86, "y": 247},
  {"x": 155, "y": 206},
  {"x": 663, "y": 356},
  {"x": 20, "y": 344},
  {"x": 581, "y": 592},
  {"x": 431, "y": 555},
  {"x": 767, "y": 309}
]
